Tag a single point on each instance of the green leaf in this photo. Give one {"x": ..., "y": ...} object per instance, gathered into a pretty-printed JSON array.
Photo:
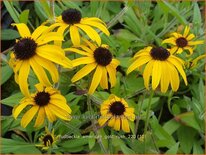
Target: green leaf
[
  {"x": 73, "y": 143},
  {"x": 186, "y": 137},
  {"x": 168, "y": 7},
  {"x": 13, "y": 99},
  {"x": 171, "y": 126},
  {"x": 91, "y": 140},
  {"x": 46, "y": 7},
  {"x": 6, "y": 73},
  {"x": 173, "y": 149},
  {"x": 18, "y": 147},
  {"x": 197, "y": 15},
  {"x": 9, "y": 34},
  {"x": 197, "y": 148},
  {"x": 12, "y": 11},
  {"x": 126, "y": 35},
  {"x": 23, "y": 17}
]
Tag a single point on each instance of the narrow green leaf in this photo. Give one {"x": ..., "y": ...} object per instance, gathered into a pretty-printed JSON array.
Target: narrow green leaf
[
  {"x": 171, "y": 126},
  {"x": 6, "y": 74},
  {"x": 168, "y": 7},
  {"x": 91, "y": 140},
  {"x": 12, "y": 100},
  {"x": 46, "y": 7},
  {"x": 18, "y": 147},
  {"x": 9, "y": 34},
  {"x": 173, "y": 149},
  {"x": 23, "y": 17},
  {"x": 73, "y": 143},
  {"x": 13, "y": 13}
]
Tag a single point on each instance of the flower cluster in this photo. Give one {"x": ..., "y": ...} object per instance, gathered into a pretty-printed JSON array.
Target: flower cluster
[{"x": 41, "y": 52}]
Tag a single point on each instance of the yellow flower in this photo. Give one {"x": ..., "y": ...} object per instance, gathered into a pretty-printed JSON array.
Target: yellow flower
[
  {"x": 33, "y": 51},
  {"x": 182, "y": 42},
  {"x": 95, "y": 57},
  {"x": 48, "y": 140},
  {"x": 161, "y": 65},
  {"x": 73, "y": 20},
  {"x": 47, "y": 102},
  {"x": 116, "y": 112}
]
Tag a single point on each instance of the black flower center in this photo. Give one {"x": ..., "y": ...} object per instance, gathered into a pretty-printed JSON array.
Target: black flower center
[
  {"x": 71, "y": 16},
  {"x": 48, "y": 140},
  {"x": 25, "y": 48},
  {"x": 181, "y": 42},
  {"x": 42, "y": 98},
  {"x": 102, "y": 56},
  {"x": 117, "y": 108},
  {"x": 159, "y": 53}
]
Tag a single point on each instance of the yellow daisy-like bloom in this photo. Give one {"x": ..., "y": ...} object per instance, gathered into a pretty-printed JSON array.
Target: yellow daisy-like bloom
[
  {"x": 95, "y": 57},
  {"x": 73, "y": 20},
  {"x": 161, "y": 65},
  {"x": 32, "y": 51},
  {"x": 182, "y": 42},
  {"x": 46, "y": 102},
  {"x": 48, "y": 140},
  {"x": 116, "y": 112}
]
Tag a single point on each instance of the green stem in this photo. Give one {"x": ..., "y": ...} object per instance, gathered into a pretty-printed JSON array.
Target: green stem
[
  {"x": 51, "y": 3},
  {"x": 117, "y": 17},
  {"x": 99, "y": 139},
  {"x": 148, "y": 111}
]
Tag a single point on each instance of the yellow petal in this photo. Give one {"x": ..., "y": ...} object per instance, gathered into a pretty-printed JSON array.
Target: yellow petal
[
  {"x": 186, "y": 31},
  {"x": 51, "y": 117},
  {"x": 115, "y": 63},
  {"x": 156, "y": 73},
  {"x": 51, "y": 36},
  {"x": 190, "y": 37},
  {"x": 29, "y": 115},
  {"x": 23, "y": 30},
  {"x": 173, "y": 75},
  {"x": 164, "y": 79},
  {"x": 40, "y": 117},
  {"x": 54, "y": 56},
  {"x": 112, "y": 74},
  {"x": 104, "y": 79},
  {"x": 59, "y": 112},
  {"x": 180, "y": 50},
  {"x": 117, "y": 124},
  {"x": 111, "y": 122},
  {"x": 38, "y": 31},
  {"x": 17, "y": 109},
  {"x": 173, "y": 49},
  {"x": 91, "y": 33},
  {"x": 130, "y": 116},
  {"x": 94, "y": 19},
  {"x": 92, "y": 46},
  {"x": 40, "y": 73},
  {"x": 102, "y": 120},
  {"x": 48, "y": 66},
  {"x": 189, "y": 49},
  {"x": 83, "y": 72},
  {"x": 39, "y": 87},
  {"x": 170, "y": 41},
  {"x": 77, "y": 51},
  {"x": 125, "y": 125},
  {"x": 179, "y": 68},
  {"x": 195, "y": 42},
  {"x": 83, "y": 60},
  {"x": 23, "y": 76},
  {"x": 74, "y": 34},
  {"x": 138, "y": 62},
  {"x": 97, "y": 25},
  {"x": 96, "y": 79},
  {"x": 147, "y": 73}
]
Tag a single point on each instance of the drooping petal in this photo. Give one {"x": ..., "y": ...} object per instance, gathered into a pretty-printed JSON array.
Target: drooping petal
[
  {"x": 83, "y": 60},
  {"x": 59, "y": 112},
  {"x": 111, "y": 122},
  {"x": 125, "y": 125},
  {"x": 74, "y": 34},
  {"x": 91, "y": 33},
  {"x": 102, "y": 120},
  {"x": 147, "y": 73},
  {"x": 40, "y": 73},
  {"x": 156, "y": 74},
  {"x": 186, "y": 31},
  {"x": 17, "y": 109},
  {"x": 48, "y": 66},
  {"x": 29, "y": 115},
  {"x": 51, "y": 117},
  {"x": 23, "y": 76},
  {"x": 138, "y": 62},
  {"x": 117, "y": 124},
  {"x": 51, "y": 36},
  {"x": 83, "y": 72},
  {"x": 104, "y": 79},
  {"x": 164, "y": 79},
  {"x": 38, "y": 31},
  {"x": 173, "y": 49},
  {"x": 22, "y": 29},
  {"x": 77, "y": 51},
  {"x": 40, "y": 117},
  {"x": 96, "y": 79},
  {"x": 170, "y": 41},
  {"x": 59, "y": 101},
  {"x": 173, "y": 75},
  {"x": 112, "y": 74},
  {"x": 97, "y": 25}
]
